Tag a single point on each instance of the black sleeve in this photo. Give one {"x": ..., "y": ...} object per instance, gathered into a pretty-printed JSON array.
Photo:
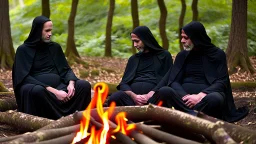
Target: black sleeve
[{"x": 164, "y": 80}]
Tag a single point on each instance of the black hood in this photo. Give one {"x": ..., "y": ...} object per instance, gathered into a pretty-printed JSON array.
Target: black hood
[
  {"x": 197, "y": 34},
  {"x": 147, "y": 38},
  {"x": 35, "y": 34}
]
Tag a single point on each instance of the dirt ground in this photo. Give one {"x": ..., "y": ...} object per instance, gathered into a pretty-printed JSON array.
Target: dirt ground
[{"x": 110, "y": 70}]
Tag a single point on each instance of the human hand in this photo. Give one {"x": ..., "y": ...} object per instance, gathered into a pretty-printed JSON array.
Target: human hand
[
  {"x": 71, "y": 89},
  {"x": 192, "y": 100},
  {"x": 141, "y": 99},
  {"x": 61, "y": 95},
  {"x": 149, "y": 95}
]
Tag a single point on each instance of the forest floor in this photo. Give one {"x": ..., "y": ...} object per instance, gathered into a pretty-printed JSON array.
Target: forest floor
[{"x": 110, "y": 70}]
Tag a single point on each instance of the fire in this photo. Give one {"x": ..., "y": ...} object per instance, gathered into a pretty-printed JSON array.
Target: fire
[{"x": 102, "y": 135}]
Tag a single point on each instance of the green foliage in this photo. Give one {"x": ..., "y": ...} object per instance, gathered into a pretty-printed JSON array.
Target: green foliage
[
  {"x": 95, "y": 72},
  {"x": 91, "y": 18},
  {"x": 84, "y": 74}
]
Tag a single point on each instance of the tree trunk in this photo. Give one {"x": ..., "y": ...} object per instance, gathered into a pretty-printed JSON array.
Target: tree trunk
[
  {"x": 135, "y": 18},
  {"x": 237, "y": 51},
  {"x": 195, "y": 10},
  {"x": 109, "y": 28},
  {"x": 162, "y": 24},
  {"x": 6, "y": 46},
  {"x": 46, "y": 8},
  {"x": 71, "y": 51},
  {"x": 181, "y": 20}
]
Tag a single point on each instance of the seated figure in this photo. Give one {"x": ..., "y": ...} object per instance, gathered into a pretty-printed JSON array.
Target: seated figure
[
  {"x": 44, "y": 84},
  {"x": 199, "y": 79},
  {"x": 143, "y": 70}
]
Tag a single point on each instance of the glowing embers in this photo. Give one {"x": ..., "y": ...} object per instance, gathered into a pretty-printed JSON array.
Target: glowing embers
[{"x": 94, "y": 135}]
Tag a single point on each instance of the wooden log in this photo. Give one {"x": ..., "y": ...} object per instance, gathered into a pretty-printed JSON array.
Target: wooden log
[
  {"x": 43, "y": 135},
  {"x": 8, "y": 104},
  {"x": 166, "y": 115},
  {"x": 60, "y": 140},
  {"x": 60, "y": 123},
  {"x": 22, "y": 121},
  {"x": 238, "y": 133},
  {"x": 162, "y": 136}
]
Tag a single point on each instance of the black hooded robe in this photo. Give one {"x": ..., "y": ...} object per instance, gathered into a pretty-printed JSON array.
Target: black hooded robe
[
  {"x": 216, "y": 74},
  {"x": 161, "y": 62},
  {"x": 31, "y": 94}
]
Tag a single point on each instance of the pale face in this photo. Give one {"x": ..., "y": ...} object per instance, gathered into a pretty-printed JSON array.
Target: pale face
[
  {"x": 137, "y": 43},
  {"x": 47, "y": 31},
  {"x": 187, "y": 43}
]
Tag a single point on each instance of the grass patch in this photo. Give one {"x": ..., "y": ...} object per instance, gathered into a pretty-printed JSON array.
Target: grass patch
[
  {"x": 84, "y": 74},
  {"x": 108, "y": 70},
  {"x": 95, "y": 72}
]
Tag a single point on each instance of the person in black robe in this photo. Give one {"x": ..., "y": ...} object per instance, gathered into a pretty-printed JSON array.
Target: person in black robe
[
  {"x": 199, "y": 79},
  {"x": 143, "y": 70},
  {"x": 44, "y": 84}
]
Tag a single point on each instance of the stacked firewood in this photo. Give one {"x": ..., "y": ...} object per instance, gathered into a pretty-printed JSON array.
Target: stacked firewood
[{"x": 154, "y": 124}]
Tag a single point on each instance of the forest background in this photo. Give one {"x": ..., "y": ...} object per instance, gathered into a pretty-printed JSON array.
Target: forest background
[
  {"x": 91, "y": 19},
  {"x": 92, "y": 33}
]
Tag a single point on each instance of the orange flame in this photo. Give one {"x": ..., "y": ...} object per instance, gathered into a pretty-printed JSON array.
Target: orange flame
[
  {"x": 102, "y": 135},
  {"x": 160, "y": 103}
]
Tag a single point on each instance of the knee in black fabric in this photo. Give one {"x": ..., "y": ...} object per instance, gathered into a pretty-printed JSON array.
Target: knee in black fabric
[
  {"x": 215, "y": 99},
  {"x": 83, "y": 84},
  {"x": 38, "y": 91},
  {"x": 115, "y": 96},
  {"x": 165, "y": 92}
]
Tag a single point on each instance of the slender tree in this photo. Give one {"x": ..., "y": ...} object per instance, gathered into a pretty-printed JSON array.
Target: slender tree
[
  {"x": 71, "y": 51},
  {"x": 46, "y": 8},
  {"x": 237, "y": 51},
  {"x": 109, "y": 27},
  {"x": 135, "y": 18},
  {"x": 181, "y": 20},
  {"x": 195, "y": 10},
  {"x": 162, "y": 23},
  {"x": 6, "y": 46}
]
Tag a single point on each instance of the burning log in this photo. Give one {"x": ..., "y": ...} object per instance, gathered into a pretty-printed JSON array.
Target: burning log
[
  {"x": 97, "y": 125},
  {"x": 8, "y": 104},
  {"x": 183, "y": 120}
]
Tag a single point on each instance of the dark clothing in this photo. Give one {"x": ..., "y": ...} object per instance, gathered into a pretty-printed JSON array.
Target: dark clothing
[
  {"x": 143, "y": 69},
  {"x": 122, "y": 99},
  {"x": 214, "y": 67},
  {"x": 38, "y": 65},
  {"x": 211, "y": 104},
  {"x": 161, "y": 64},
  {"x": 36, "y": 100}
]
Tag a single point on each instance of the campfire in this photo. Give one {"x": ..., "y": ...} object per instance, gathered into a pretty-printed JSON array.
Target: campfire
[
  {"x": 101, "y": 134},
  {"x": 149, "y": 124}
]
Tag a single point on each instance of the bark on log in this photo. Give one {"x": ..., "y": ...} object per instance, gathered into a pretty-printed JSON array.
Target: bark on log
[
  {"x": 8, "y": 104},
  {"x": 43, "y": 135},
  {"x": 60, "y": 140},
  {"x": 185, "y": 121},
  {"x": 162, "y": 136},
  {"x": 60, "y": 123},
  {"x": 238, "y": 133},
  {"x": 22, "y": 121}
]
